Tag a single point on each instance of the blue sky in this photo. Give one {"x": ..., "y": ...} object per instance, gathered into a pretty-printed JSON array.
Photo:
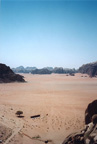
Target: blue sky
[{"x": 48, "y": 33}]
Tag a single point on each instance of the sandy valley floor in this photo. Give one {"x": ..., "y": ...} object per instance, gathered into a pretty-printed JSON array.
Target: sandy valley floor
[{"x": 59, "y": 99}]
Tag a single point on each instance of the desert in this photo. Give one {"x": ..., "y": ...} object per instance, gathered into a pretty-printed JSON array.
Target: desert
[
  {"x": 48, "y": 72},
  {"x": 60, "y": 100}
]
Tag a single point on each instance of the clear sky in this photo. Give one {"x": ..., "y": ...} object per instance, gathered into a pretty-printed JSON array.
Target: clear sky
[{"x": 48, "y": 33}]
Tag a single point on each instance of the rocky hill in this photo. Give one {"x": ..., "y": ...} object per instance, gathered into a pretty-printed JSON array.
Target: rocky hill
[
  {"x": 61, "y": 70},
  {"x": 45, "y": 70},
  {"x": 7, "y": 75},
  {"x": 90, "y": 69},
  {"x": 57, "y": 70},
  {"x": 41, "y": 71},
  {"x": 21, "y": 69}
]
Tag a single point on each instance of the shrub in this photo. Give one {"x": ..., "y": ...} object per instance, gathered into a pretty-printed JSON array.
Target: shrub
[{"x": 19, "y": 113}]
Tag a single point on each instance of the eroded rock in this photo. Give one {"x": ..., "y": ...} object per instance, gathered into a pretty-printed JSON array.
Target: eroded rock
[
  {"x": 90, "y": 111},
  {"x": 7, "y": 75}
]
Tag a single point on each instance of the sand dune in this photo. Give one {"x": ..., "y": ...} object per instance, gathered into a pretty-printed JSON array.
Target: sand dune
[{"x": 59, "y": 99}]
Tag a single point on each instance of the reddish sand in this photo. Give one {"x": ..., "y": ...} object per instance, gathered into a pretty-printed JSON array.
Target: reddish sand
[{"x": 59, "y": 99}]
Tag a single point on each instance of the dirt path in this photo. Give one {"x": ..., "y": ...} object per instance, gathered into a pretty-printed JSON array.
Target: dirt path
[
  {"x": 14, "y": 133},
  {"x": 17, "y": 128},
  {"x": 47, "y": 141}
]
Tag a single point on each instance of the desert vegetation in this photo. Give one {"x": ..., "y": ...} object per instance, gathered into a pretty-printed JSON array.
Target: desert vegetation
[{"x": 19, "y": 113}]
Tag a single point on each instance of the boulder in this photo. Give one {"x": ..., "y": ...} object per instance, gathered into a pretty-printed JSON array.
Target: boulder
[
  {"x": 75, "y": 138},
  {"x": 90, "y": 111}
]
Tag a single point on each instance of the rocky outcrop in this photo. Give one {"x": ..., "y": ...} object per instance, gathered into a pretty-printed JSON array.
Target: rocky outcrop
[
  {"x": 41, "y": 71},
  {"x": 7, "y": 75},
  {"x": 21, "y": 69},
  {"x": 87, "y": 135},
  {"x": 75, "y": 138},
  {"x": 90, "y": 69},
  {"x": 90, "y": 111},
  {"x": 58, "y": 70},
  {"x": 49, "y": 68},
  {"x": 45, "y": 70}
]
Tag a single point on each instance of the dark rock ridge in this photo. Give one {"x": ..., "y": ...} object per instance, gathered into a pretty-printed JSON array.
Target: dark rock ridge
[
  {"x": 88, "y": 135},
  {"x": 7, "y": 75},
  {"x": 90, "y": 69},
  {"x": 90, "y": 111}
]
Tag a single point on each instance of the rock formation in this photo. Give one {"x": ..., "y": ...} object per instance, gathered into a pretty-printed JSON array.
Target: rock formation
[
  {"x": 41, "y": 71},
  {"x": 90, "y": 69},
  {"x": 87, "y": 135},
  {"x": 58, "y": 70},
  {"x": 90, "y": 111},
  {"x": 21, "y": 69},
  {"x": 75, "y": 138},
  {"x": 7, "y": 75},
  {"x": 45, "y": 70}
]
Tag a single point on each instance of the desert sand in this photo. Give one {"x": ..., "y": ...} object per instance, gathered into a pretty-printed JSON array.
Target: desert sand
[{"x": 60, "y": 101}]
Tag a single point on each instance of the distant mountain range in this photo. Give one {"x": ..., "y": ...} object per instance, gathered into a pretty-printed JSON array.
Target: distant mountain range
[
  {"x": 21, "y": 69},
  {"x": 90, "y": 69},
  {"x": 8, "y": 75},
  {"x": 45, "y": 70}
]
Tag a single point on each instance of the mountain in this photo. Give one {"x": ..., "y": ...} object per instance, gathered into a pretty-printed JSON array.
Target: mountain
[
  {"x": 70, "y": 71},
  {"x": 60, "y": 70},
  {"x": 21, "y": 69},
  {"x": 41, "y": 71},
  {"x": 45, "y": 70},
  {"x": 7, "y": 75},
  {"x": 29, "y": 69},
  {"x": 90, "y": 69},
  {"x": 49, "y": 68},
  {"x": 57, "y": 70}
]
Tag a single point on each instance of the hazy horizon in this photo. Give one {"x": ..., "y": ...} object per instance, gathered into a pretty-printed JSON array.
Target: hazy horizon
[
  {"x": 51, "y": 66},
  {"x": 48, "y": 33}
]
